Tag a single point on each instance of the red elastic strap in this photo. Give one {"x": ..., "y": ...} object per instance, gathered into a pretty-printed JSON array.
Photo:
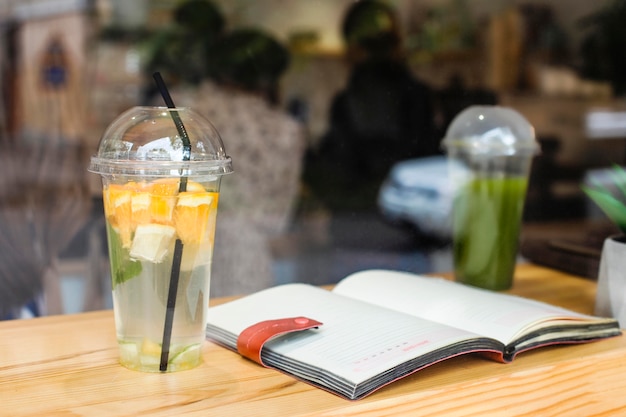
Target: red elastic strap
[{"x": 251, "y": 340}]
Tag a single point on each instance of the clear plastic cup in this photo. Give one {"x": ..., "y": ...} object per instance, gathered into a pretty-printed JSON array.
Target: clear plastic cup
[
  {"x": 490, "y": 149},
  {"x": 160, "y": 198}
]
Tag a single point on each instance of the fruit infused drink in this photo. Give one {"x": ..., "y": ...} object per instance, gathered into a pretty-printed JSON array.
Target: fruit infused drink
[
  {"x": 144, "y": 219},
  {"x": 161, "y": 171}
]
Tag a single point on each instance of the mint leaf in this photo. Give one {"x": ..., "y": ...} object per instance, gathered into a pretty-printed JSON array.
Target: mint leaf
[{"x": 123, "y": 267}]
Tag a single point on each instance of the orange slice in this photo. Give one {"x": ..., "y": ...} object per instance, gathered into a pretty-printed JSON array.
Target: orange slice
[
  {"x": 134, "y": 204},
  {"x": 164, "y": 187},
  {"x": 163, "y": 200},
  {"x": 140, "y": 208},
  {"x": 162, "y": 209},
  {"x": 192, "y": 215},
  {"x": 117, "y": 207},
  {"x": 170, "y": 186}
]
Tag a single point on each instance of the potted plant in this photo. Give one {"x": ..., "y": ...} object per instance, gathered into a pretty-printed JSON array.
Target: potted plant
[{"x": 611, "y": 295}]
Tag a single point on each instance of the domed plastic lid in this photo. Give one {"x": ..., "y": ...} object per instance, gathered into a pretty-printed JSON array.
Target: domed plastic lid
[
  {"x": 491, "y": 130},
  {"x": 149, "y": 141}
]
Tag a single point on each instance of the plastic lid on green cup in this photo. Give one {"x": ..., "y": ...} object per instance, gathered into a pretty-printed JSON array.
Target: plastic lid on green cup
[
  {"x": 491, "y": 130},
  {"x": 145, "y": 141}
]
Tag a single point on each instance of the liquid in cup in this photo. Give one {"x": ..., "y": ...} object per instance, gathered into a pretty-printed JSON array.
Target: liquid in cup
[
  {"x": 147, "y": 212},
  {"x": 490, "y": 150}
]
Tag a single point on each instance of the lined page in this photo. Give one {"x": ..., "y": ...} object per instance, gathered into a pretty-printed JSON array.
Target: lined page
[
  {"x": 495, "y": 315},
  {"x": 357, "y": 341}
]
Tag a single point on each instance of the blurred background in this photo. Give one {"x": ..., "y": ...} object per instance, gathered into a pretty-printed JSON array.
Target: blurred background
[{"x": 69, "y": 67}]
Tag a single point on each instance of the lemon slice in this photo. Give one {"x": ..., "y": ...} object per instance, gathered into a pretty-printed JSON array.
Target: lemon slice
[
  {"x": 152, "y": 242},
  {"x": 128, "y": 352},
  {"x": 148, "y": 347},
  {"x": 188, "y": 356},
  {"x": 195, "y": 187}
]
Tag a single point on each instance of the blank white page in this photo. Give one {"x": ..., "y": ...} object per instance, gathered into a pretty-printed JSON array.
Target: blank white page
[{"x": 495, "y": 315}]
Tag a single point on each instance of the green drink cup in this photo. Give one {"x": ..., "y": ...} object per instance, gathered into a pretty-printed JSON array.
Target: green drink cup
[
  {"x": 160, "y": 194},
  {"x": 490, "y": 149}
]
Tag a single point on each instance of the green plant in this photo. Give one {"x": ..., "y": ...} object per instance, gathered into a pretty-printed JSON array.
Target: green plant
[{"x": 611, "y": 202}]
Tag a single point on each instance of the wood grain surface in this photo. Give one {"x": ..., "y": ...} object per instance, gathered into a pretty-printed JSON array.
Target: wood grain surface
[{"x": 67, "y": 366}]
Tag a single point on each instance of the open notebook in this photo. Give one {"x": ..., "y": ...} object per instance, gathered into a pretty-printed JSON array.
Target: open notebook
[{"x": 378, "y": 326}]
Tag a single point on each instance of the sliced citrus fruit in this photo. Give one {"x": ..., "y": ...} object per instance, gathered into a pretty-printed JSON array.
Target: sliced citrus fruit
[
  {"x": 192, "y": 215},
  {"x": 149, "y": 363},
  {"x": 128, "y": 354},
  {"x": 152, "y": 242},
  {"x": 188, "y": 356},
  {"x": 165, "y": 186},
  {"x": 148, "y": 347},
  {"x": 163, "y": 199},
  {"x": 195, "y": 187},
  {"x": 162, "y": 209},
  {"x": 117, "y": 206},
  {"x": 140, "y": 207}
]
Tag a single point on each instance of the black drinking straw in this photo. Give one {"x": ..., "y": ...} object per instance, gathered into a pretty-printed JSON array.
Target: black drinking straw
[{"x": 178, "y": 248}]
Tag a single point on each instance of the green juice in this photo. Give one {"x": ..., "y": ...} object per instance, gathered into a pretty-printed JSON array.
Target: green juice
[{"x": 487, "y": 217}]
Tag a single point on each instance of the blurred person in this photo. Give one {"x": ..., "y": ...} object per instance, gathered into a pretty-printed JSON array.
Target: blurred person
[
  {"x": 44, "y": 203},
  {"x": 383, "y": 115},
  {"x": 256, "y": 203},
  {"x": 180, "y": 51},
  {"x": 456, "y": 97}
]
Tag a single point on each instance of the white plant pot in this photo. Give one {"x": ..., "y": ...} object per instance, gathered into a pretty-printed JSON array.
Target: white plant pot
[{"x": 611, "y": 295}]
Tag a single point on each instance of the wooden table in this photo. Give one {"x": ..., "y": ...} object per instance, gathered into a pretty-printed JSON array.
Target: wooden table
[{"x": 67, "y": 366}]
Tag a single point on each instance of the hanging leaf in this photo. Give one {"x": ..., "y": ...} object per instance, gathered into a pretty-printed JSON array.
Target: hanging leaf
[{"x": 608, "y": 203}]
